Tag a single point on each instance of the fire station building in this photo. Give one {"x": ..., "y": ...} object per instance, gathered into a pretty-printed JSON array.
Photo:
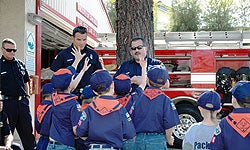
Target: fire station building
[{"x": 41, "y": 28}]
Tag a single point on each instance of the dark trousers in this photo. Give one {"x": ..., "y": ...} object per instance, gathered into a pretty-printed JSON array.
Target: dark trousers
[{"x": 19, "y": 116}]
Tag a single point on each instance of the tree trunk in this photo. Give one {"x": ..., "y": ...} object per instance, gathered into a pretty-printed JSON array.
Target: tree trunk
[{"x": 134, "y": 18}]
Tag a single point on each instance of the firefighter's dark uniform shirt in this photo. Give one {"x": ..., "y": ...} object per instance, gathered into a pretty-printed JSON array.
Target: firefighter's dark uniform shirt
[
  {"x": 5, "y": 128},
  {"x": 235, "y": 136},
  {"x": 13, "y": 77},
  {"x": 65, "y": 59},
  {"x": 132, "y": 68}
]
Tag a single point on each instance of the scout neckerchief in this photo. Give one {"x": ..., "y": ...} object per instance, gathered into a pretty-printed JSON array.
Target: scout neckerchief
[
  {"x": 152, "y": 93},
  {"x": 124, "y": 100},
  {"x": 61, "y": 98},
  {"x": 104, "y": 106},
  {"x": 41, "y": 111},
  {"x": 240, "y": 122}
]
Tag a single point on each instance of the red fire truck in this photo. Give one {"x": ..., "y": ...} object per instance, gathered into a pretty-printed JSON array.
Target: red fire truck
[{"x": 197, "y": 62}]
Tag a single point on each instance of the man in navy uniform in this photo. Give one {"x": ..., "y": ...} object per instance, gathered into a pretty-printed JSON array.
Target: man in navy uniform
[
  {"x": 15, "y": 92},
  {"x": 132, "y": 67},
  {"x": 65, "y": 57}
]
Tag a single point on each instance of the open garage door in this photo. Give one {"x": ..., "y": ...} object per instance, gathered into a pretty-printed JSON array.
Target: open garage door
[{"x": 54, "y": 39}]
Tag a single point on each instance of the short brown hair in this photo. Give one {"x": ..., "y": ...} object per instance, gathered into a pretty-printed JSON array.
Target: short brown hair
[{"x": 9, "y": 41}]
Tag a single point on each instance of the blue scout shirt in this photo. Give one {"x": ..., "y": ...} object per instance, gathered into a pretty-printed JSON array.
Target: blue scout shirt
[
  {"x": 105, "y": 121},
  {"x": 12, "y": 78},
  {"x": 5, "y": 128},
  {"x": 233, "y": 131},
  {"x": 65, "y": 59},
  {"x": 128, "y": 101},
  {"x": 132, "y": 68},
  {"x": 154, "y": 112},
  {"x": 43, "y": 118},
  {"x": 66, "y": 113},
  {"x": 42, "y": 123}
]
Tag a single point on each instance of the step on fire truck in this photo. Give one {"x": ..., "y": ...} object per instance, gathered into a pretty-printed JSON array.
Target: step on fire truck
[{"x": 196, "y": 62}]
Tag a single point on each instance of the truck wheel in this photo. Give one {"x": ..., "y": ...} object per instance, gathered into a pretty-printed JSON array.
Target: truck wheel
[{"x": 188, "y": 115}]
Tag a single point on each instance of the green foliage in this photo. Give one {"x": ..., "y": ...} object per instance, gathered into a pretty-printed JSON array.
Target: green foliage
[
  {"x": 110, "y": 5},
  {"x": 185, "y": 15},
  {"x": 155, "y": 14},
  {"x": 218, "y": 15},
  {"x": 243, "y": 14}
]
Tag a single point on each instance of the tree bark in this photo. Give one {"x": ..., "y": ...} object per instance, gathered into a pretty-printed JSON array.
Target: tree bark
[{"x": 134, "y": 18}]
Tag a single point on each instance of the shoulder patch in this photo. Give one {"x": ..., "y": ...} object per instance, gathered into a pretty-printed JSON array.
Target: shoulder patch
[
  {"x": 79, "y": 107},
  {"x": 128, "y": 116},
  {"x": 217, "y": 130},
  {"x": 173, "y": 105},
  {"x": 83, "y": 116}
]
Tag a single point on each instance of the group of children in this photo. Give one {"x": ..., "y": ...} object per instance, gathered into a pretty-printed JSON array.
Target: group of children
[
  {"x": 232, "y": 132},
  {"x": 115, "y": 118}
]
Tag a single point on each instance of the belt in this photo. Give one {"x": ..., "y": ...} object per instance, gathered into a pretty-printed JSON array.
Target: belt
[
  {"x": 101, "y": 146},
  {"x": 151, "y": 133},
  {"x": 55, "y": 142},
  {"x": 13, "y": 97}
]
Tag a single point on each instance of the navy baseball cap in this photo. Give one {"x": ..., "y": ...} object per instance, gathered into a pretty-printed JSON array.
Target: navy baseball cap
[
  {"x": 158, "y": 75},
  {"x": 47, "y": 88},
  {"x": 61, "y": 79},
  {"x": 241, "y": 91},
  {"x": 122, "y": 84},
  {"x": 209, "y": 100},
  {"x": 100, "y": 80},
  {"x": 87, "y": 92}
]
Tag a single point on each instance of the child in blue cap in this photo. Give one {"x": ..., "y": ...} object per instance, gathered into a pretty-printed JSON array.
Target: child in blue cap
[
  {"x": 123, "y": 88},
  {"x": 199, "y": 134},
  {"x": 66, "y": 109},
  {"x": 105, "y": 122},
  {"x": 43, "y": 116},
  {"x": 154, "y": 114},
  {"x": 233, "y": 130}
]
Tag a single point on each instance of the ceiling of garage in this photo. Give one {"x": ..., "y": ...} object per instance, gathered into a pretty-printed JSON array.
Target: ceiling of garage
[{"x": 53, "y": 38}]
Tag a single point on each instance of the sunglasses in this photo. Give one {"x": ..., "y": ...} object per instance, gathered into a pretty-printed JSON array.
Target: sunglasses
[
  {"x": 137, "y": 47},
  {"x": 10, "y": 50}
]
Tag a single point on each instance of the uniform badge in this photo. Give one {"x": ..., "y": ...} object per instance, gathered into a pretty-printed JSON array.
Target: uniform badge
[
  {"x": 78, "y": 106},
  {"x": 1, "y": 124},
  {"x": 82, "y": 118},
  {"x": 217, "y": 130},
  {"x": 91, "y": 56},
  {"x": 128, "y": 117},
  {"x": 173, "y": 106}
]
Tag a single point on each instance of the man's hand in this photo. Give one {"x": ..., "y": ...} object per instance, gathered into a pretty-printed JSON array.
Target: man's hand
[
  {"x": 77, "y": 53},
  {"x": 170, "y": 141},
  {"x": 136, "y": 80}
]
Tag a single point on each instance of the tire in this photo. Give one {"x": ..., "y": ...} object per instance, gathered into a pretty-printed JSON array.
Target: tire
[{"x": 188, "y": 115}]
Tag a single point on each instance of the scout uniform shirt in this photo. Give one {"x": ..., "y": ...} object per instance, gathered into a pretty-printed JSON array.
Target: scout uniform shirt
[
  {"x": 105, "y": 121},
  {"x": 154, "y": 112},
  {"x": 233, "y": 131},
  {"x": 43, "y": 122},
  {"x": 66, "y": 113}
]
